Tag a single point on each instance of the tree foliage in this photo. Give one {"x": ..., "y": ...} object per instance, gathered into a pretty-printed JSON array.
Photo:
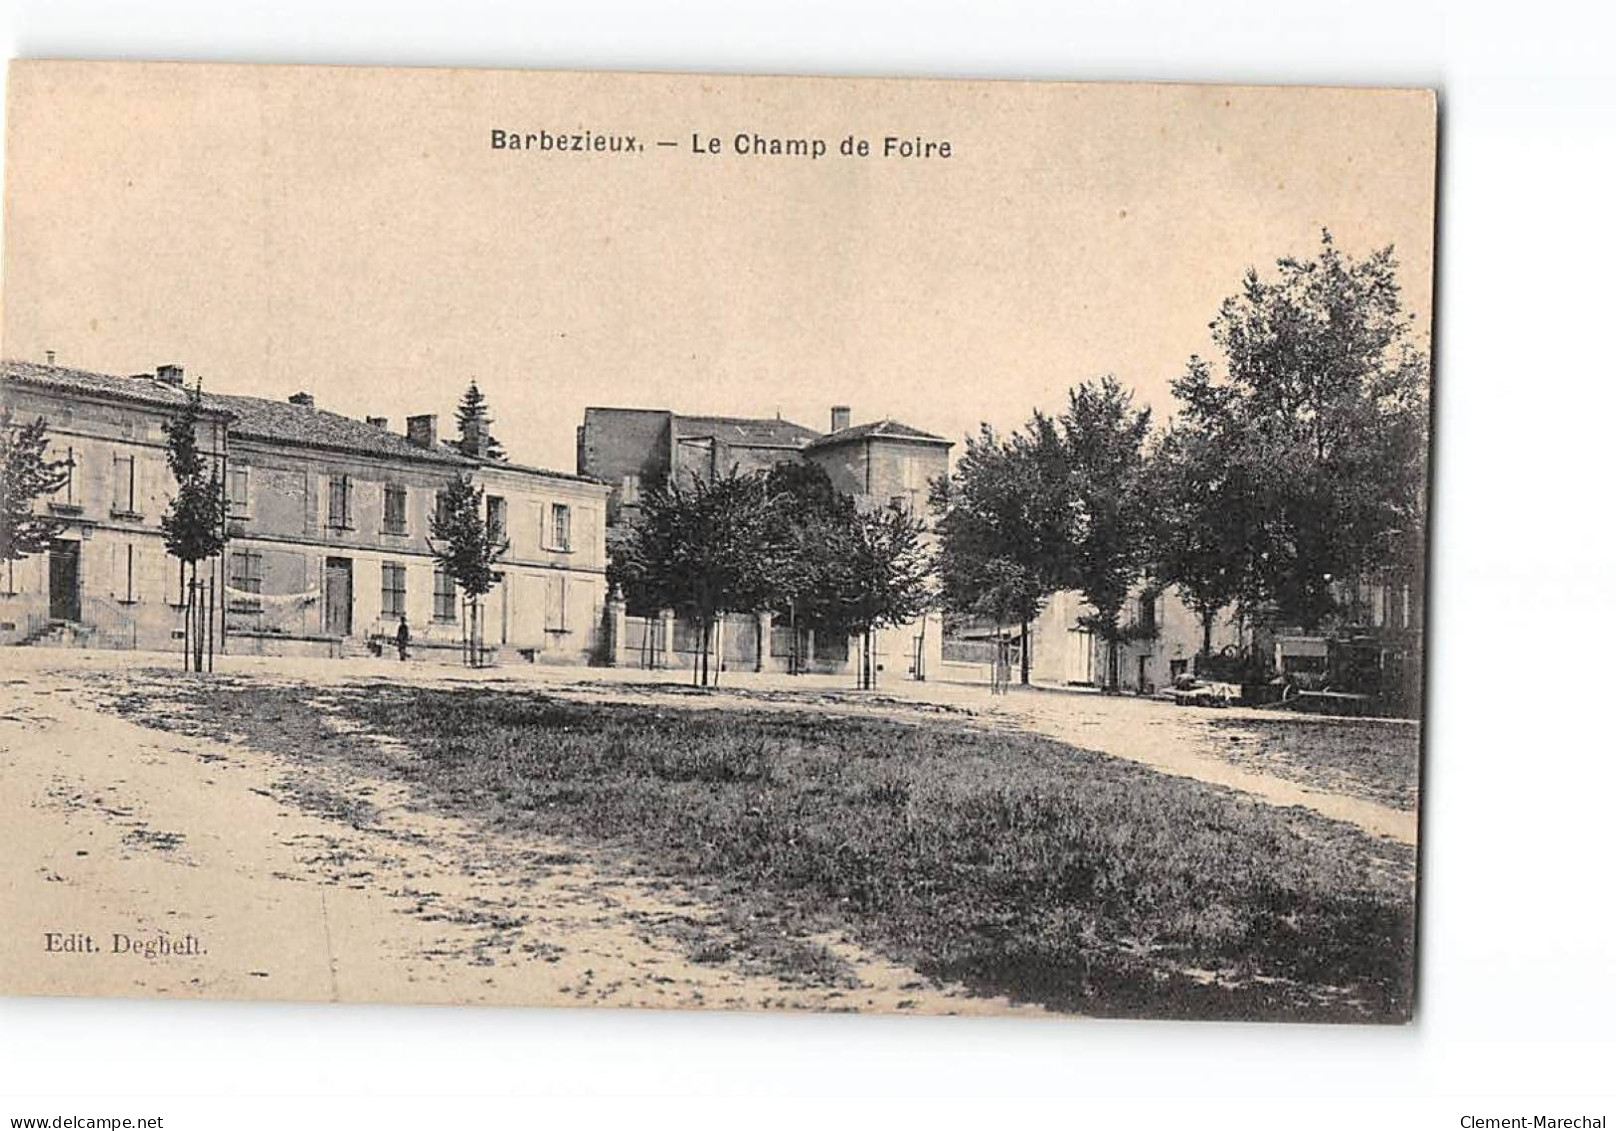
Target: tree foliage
[
  {"x": 1204, "y": 515},
  {"x": 462, "y": 542},
  {"x": 467, "y": 549},
  {"x": 193, "y": 526},
  {"x": 810, "y": 516},
  {"x": 883, "y": 576},
  {"x": 1009, "y": 521},
  {"x": 702, "y": 548},
  {"x": 1325, "y": 396},
  {"x": 1105, "y": 436},
  {"x": 473, "y": 414},
  {"x": 26, "y": 476}
]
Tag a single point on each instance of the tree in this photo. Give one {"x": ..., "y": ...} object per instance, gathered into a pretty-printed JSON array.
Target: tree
[
  {"x": 473, "y": 417},
  {"x": 1010, "y": 520},
  {"x": 1203, "y": 506},
  {"x": 883, "y": 578},
  {"x": 193, "y": 526},
  {"x": 1327, "y": 391},
  {"x": 1104, "y": 440},
  {"x": 703, "y": 549},
  {"x": 26, "y": 476},
  {"x": 811, "y": 516},
  {"x": 467, "y": 550}
]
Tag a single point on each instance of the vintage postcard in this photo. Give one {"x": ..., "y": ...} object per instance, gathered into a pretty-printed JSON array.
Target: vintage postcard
[{"x": 683, "y": 541}]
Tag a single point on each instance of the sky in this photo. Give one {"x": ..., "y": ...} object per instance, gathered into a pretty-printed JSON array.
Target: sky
[{"x": 353, "y": 234}]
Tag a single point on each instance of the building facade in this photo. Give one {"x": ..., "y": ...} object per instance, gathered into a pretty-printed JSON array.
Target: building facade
[
  {"x": 328, "y": 526},
  {"x": 878, "y": 464}
]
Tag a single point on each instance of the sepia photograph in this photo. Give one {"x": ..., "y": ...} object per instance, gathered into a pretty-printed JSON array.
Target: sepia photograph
[{"x": 608, "y": 539}]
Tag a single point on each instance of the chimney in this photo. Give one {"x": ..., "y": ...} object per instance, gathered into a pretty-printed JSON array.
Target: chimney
[
  {"x": 422, "y": 430},
  {"x": 841, "y": 416},
  {"x": 304, "y": 399},
  {"x": 50, "y": 357},
  {"x": 377, "y": 422},
  {"x": 474, "y": 439},
  {"x": 173, "y": 375}
]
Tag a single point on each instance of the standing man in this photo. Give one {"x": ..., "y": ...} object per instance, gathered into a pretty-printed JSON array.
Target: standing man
[{"x": 403, "y": 637}]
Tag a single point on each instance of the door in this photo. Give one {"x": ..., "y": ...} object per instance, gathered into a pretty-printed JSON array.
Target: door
[
  {"x": 1144, "y": 676},
  {"x": 64, "y": 580},
  {"x": 1079, "y": 656},
  {"x": 339, "y": 597}
]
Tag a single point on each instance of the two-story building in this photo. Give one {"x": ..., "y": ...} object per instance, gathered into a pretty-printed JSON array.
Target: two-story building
[{"x": 328, "y": 524}]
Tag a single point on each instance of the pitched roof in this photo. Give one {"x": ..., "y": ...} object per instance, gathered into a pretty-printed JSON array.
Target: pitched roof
[
  {"x": 878, "y": 430},
  {"x": 258, "y": 418},
  {"x": 139, "y": 390},
  {"x": 282, "y": 422},
  {"x": 747, "y": 432}
]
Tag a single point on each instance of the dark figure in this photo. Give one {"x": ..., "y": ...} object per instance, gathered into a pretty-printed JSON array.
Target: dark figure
[{"x": 403, "y": 637}]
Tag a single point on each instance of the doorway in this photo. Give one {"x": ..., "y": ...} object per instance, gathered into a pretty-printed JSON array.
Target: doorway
[
  {"x": 64, "y": 580},
  {"x": 339, "y": 596}
]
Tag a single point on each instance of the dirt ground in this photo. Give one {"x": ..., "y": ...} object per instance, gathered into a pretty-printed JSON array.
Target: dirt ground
[{"x": 119, "y": 836}]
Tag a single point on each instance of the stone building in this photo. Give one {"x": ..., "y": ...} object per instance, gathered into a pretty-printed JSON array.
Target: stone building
[
  {"x": 328, "y": 526},
  {"x": 877, "y": 463}
]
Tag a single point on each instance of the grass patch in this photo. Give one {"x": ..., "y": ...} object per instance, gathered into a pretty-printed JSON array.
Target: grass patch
[
  {"x": 1014, "y": 864},
  {"x": 1373, "y": 759}
]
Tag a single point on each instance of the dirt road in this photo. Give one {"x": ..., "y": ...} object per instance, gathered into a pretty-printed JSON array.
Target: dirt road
[{"x": 301, "y": 883}]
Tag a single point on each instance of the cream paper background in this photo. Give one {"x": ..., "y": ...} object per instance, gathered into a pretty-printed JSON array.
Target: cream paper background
[{"x": 350, "y": 233}]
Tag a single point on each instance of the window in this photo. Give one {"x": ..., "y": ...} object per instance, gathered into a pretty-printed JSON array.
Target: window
[
  {"x": 394, "y": 511},
  {"x": 555, "y": 604},
  {"x": 246, "y": 580},
  {"x": 238, "y": 493},
  {"x": 1147, "y": 612},
  {"x": 496, "y": 518},
  {"x": 440, "y": 507},
  {"x": 392, "y": 589},
  {"x": 68, "y": 494},
  {"x": 443, "y": 596},
  {"x": 560, "y": 527},
  {"x": 123, "y": 484},
  {"x": 630, "y": 495},
  {"x": 341, "y": 517}
]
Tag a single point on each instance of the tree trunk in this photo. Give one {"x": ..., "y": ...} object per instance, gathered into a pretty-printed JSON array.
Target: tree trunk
[
  {"x": 1026, "y": 652},
  {"x": 1206, "y": 631},
  {"x": 706, "y": 645},
  {"x": 190, "y": 609},
  {"x": 796, "y": 642}
]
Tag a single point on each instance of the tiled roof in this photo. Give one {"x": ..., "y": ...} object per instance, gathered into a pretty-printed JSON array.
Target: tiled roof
[
  {"x": 257, "y": 418},
  {"x": 453, "y": 449},
  {"x": 306, "y": 426},
  {"x": 140, "y": 390},
  {"x": 747, "y": 432},
  {"x": 877, "y": 430}
]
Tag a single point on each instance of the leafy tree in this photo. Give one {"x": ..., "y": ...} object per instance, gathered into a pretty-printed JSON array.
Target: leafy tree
[
  {"x": 26, "y": 476},
  {"x": 193, "y": 526},
  {"x": 466, "y": 549},
  {"x": 1328, "y": 392},
  {"x": 811, "y": 516},
  {"x": 1204, "y": 510},
  {"x": 1104, "y": 439},
  {"x": 1010, "y": 520},
  {"x": 884, "y": 576},
  {"x": 706, "y": 548},
  {"x": 473, "y": 415}
]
